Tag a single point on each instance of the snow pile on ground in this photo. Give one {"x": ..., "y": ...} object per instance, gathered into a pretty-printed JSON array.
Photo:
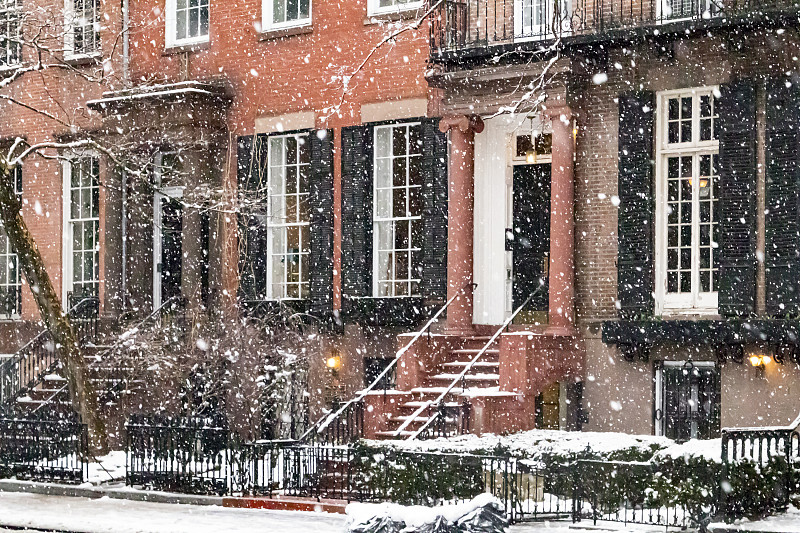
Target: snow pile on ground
[
  {"x": 710, "y": 450},
  {"x": 107, "y": 468},
  {"x": 537, "y": 443},
  {"x": 482, "y": 514}
]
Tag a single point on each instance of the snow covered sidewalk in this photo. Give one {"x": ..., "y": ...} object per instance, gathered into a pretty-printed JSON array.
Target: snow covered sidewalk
[{"x": 106, "y": 515}]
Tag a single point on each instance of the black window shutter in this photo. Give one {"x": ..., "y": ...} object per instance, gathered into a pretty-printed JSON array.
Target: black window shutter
[
  {"x": 251, "y": 177},
  {"x": 736, "y": 126},
  {"x": 635, "y": 262},
  {"x": 357, "y": 211},
  {"x": 321, "y": 206},
  {"x": 782, "y": 251},
  {"x": 435, "y": 184}
]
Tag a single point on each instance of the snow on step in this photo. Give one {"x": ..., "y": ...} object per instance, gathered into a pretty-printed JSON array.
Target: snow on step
[
  {"x": 404, "y": 433},
  {"x": 408, "y": 417},
  {"x": 436, "y": 390},
  {"x": 420, "y": 404},
  {"x": 468, "y": 377},
  {"x": 475, "y": 351},
  {"x": 477, "y": 364}
]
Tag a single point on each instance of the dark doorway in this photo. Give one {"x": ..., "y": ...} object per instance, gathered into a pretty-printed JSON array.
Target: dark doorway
[
  {"x": 530, "y": 239},
  {"x": 690, "y": 401},
  {"x": 170, "y": 267}
]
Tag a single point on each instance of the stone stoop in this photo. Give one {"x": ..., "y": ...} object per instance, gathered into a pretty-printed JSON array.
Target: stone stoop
[{"x": 283, "y": 503}]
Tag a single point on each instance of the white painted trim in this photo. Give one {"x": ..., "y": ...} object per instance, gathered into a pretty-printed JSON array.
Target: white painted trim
[
  {"x": 66, "y": 240},
  {"x": 374, "y": 9},
  {"x": 69, "y": 37},
  {"x": 160, "y": 194},
  {"x": 539, "y": 31},
  {"x": 170, "y": 27},
  {"x": 267, "y": 14},
  {"x": 679, "y": 304}
]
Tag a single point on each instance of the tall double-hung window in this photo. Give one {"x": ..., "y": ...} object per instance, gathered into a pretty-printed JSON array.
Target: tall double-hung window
[
  {"x": 82, "y": 225},
  {"x": 288, "y": 216},
  {"x": 279, "y": 14},
  {"x": 687, "y": 206},
  {"x": 82, "y": 27},
  {"x": 10, "y": 32},
  {"x": 397, "y": 210},
  {"x": 187, "y": 22},
  {"x": 10, "y": 282}
]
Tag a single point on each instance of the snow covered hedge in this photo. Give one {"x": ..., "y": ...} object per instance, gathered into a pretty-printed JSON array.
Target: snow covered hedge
[{"x": 644, "y": 471}]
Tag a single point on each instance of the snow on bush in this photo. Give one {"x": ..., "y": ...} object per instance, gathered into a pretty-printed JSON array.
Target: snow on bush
[{"x": 482, "y": 514}]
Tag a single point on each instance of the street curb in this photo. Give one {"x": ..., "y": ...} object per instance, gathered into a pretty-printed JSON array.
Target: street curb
[{"x": 52, "y": 489}]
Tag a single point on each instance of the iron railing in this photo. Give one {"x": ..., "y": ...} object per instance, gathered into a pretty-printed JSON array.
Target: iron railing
[
  {"x": 346, "y": 423},
  {"x": 439, "y": 422},
  {"x": 459, "y": 25},
  {"x": 182, "y": 454},
  {"x": 47, "y": 450},
  {"x": 168, "y": 317},
  {"x": 38, "y": 358},
  {"x": 773, "y": 452}
]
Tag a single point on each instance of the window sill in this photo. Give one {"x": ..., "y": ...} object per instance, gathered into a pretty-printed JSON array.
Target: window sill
[
  {"x": 392, "y": 16},
  {"x": 82, "y": 59},
  {"x": 179, "y": 48},
  {"x": 272, "y": 34}
]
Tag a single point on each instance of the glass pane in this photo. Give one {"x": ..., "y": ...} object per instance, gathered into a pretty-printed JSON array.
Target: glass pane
[
  {"x": 278, "y": 11},
  {"x": 383, "y": 142}
]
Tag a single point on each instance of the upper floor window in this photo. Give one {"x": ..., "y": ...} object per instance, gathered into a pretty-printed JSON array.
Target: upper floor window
[
  {"x": 288, "y": 216},
  {"x": 379, "y": 7},
  {"x": 397, "y": 211},
  {"x": 10, "y": 32},
  {"x": 187, "y": 22},
  {"x": 10, "y": 282},
  {"x": 82, "y": 27},
  {"x": 82, "y": 227},
  {"x": 286, "y": 13},
  {"x": 687, "y": 207}
]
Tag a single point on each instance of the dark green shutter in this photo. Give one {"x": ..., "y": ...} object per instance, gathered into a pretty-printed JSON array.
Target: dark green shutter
[
  {"x": 434, "y": 168},
  {"x": 357, "y": 211},
  {"x": 635, "y": 262},
  {"x": 782, "y": 253},
  {"x": 736, "y": 127},
  {"x": 321, "y": 205},
  {"x": 252, "y": 181}
]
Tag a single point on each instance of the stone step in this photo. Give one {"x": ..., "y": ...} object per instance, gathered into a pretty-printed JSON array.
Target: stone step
[{"x": 467, "y": 377}]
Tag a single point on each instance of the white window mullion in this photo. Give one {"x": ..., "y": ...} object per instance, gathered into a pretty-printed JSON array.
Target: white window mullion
[{"x": 695, "y": 230}]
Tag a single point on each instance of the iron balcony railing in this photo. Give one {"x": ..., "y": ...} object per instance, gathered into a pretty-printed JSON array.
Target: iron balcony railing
[{"x": 463, "y": 25}]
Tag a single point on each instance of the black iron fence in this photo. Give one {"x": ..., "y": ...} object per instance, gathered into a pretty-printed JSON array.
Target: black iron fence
[
  {"x": 47, "y": 450},
  {"x": 472, "y": 24},
  {"x": 182, "y": 454}
]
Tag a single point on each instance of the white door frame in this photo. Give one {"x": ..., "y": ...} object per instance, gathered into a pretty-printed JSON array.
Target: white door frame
[{"x": 160, "y": 194}]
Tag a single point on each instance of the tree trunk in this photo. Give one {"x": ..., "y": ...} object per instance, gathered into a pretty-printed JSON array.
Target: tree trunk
[{"x": 82, "y": 396}]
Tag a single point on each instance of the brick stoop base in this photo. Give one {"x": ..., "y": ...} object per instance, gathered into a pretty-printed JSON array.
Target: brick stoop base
[{"x": 279, "y": 503}]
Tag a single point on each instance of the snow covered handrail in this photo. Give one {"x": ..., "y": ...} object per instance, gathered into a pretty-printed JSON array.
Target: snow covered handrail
[
  {"x": 461, "y": 376},
  {"x": 326, "y": 421}
]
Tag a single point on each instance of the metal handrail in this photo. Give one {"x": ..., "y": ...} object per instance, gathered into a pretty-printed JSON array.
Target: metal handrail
[
  {"x": 325, "y": 421},
  {"x": 8, "y": 366},
  {"x": 121, "y": 339},
  {"x": 461, "y": 376}
]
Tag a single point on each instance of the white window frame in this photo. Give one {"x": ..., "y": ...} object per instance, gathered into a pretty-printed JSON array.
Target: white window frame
[
  {"x": 267, "y": 13},
  {"x": 659, "y": 397},
  {"x": 376, "y": 220},
  {"x": 67, "y": 284},
  {"x": 374, "y": 8},
  {"x": 276, "y": 223},
  {"x": 70, "y": 24},
  {"x": 171, "y": 27},
  {"x": 668, "y": 18},
  {"x": 542, "y": 30},
  {"x": 16, "y": 11},
  {"x": 11, "y": 255},
  {"x": 694, "y": 303}
]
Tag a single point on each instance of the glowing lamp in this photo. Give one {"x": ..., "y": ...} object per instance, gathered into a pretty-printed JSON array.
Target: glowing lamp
[
  {"x": 334, "y": 362},
  {"x": 755, "y": 360},
  {"x": 530, "y": 157}
]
